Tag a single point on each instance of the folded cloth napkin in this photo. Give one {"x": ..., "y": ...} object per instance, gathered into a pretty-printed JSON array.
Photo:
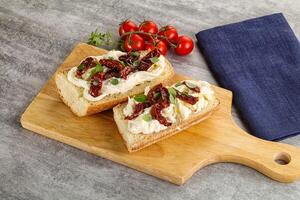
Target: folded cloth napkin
[{"x": 259, "y": 60}]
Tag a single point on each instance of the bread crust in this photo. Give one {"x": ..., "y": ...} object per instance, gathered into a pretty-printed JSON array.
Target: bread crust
[
  {"x": 141, "y": 140},
  {"x": 72, "y": 95}
]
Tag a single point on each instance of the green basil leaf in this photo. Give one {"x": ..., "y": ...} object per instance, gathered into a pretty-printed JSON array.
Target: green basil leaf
[
  {"x": 154, "y": 59},
  {"x": 172, "y": 95},
  {"x": 114, "y": 81},
  {"x": 80, "y": 67},
  {"x": 190, "y": 85},
  {"x": 140, "y": 98},
  {"x": 98, "y": 68},
  {"x": 147, "y": 117},
  {"x": 157, "y": 95},
  {"x": 134, "y": 53},
  {"x": 172, "y": 91},
  {"x": 122, "y": 62},
  {"x": 136, "y": 63},
  {"x": 173, "y": 99}
]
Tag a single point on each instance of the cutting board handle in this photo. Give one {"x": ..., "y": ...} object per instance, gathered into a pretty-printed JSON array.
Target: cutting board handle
[{"x": 279, "y": 161}]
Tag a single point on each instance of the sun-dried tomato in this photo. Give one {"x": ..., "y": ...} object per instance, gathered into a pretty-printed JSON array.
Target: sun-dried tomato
[
  {"x": 95, "y": 88},
  {"x": 88, "y": 63},
  {"x": 100, "y": 76},
  {"x": 138, "y": 109},
  {"x": 79, "y": 73},
  {"x": 146, "y": 60},
  {"x": 158, "y": 98},
  {"x": 158, "y": 94},
  {"x": 186, "y": 98},
  {"x": 195, "y": 89},
  {"x": 112, "y": 64},
  {"x": 112, "y": 73},
  {"x": 96, "y": 84},
  {"x": 129, "y": 58},
  {"x": 126, "y": 71},
  {"x": 156, "y": 114}
]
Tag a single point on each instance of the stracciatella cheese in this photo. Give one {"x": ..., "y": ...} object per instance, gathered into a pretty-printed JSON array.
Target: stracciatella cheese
[
  {"x": 139, "y": 125},
  {"x": 206, "y": 94},
  {"x": 123, "y": 85}
]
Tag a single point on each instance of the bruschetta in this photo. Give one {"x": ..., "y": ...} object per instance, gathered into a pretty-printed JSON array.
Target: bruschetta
[
  {"x": 161, "y": 112},
  {"x": 98, "y": 83}
]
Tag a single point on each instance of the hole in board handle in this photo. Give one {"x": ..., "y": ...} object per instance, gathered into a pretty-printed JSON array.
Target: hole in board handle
[{"x": 282, "y": 158}]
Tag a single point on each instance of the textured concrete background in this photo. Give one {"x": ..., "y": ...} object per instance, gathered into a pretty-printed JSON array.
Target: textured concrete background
[{"x": 36, "y": 36}]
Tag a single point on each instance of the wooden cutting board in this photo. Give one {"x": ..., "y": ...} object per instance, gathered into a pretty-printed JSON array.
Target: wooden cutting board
[{"x": 176, "y": 159}]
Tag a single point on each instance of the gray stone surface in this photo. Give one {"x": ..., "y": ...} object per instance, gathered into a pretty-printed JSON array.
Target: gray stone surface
[{"x": 36, "y": 36}]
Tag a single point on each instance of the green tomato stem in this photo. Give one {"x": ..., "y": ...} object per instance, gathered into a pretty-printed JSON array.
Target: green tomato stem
[{"x": 153, "y": 36}]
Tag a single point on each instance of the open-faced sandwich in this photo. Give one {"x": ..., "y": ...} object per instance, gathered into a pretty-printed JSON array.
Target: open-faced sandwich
[
  {"x": 163, "y": 111},
  {"x": 100, "y": 82}
]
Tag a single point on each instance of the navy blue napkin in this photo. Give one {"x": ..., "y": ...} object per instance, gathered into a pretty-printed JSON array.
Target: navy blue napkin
[{"x": 259, "y": 60}]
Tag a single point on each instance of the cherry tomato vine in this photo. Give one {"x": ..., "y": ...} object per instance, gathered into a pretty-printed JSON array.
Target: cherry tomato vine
[{"x": 147, "y": 36}]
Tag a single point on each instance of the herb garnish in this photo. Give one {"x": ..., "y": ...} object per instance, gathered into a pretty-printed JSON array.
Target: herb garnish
[
  {"x": 122, "y": 62},
  {"x": 134, "y": 53},
  {"x": 80, "y": 67},
  {"x": 100, "y": 39},
  {"x": 114, "y": 81},
  {"x": 136, "y": 63},
  {"x": 157, "y": 95},
  {"x": 140, "y": 98},
  {"x": 154, "y": 59},
  {"x": 98, "y": 68},
  {"x": 172, "y": 95},
  {"x": 147, "y": 117},
  {"x": 172, "y": 91}
]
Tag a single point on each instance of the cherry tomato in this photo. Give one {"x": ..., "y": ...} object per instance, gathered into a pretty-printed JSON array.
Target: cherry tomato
[
  {"x": 160, "y": 45},
  {"x": 185, "y": 45},
  {"x": 134, "y": 42},
  {"x": 148, "y": 27},
  {"x": 149, "y": 46},
  {"x": 127, "y": 26},
  {"x": 170, "y": 33}
]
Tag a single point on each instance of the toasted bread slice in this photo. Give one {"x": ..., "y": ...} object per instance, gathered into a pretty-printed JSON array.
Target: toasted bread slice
[
  {"x": 135, "y": 142},
  {"x": 72, "y": 95}
]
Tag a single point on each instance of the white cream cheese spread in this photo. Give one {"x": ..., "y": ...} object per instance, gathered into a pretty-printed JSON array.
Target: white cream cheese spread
[{"x": 123, "y": 85}]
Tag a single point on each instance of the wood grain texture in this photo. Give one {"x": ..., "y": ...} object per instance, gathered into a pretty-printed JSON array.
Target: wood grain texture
[{"x": 176, "y": 159}]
